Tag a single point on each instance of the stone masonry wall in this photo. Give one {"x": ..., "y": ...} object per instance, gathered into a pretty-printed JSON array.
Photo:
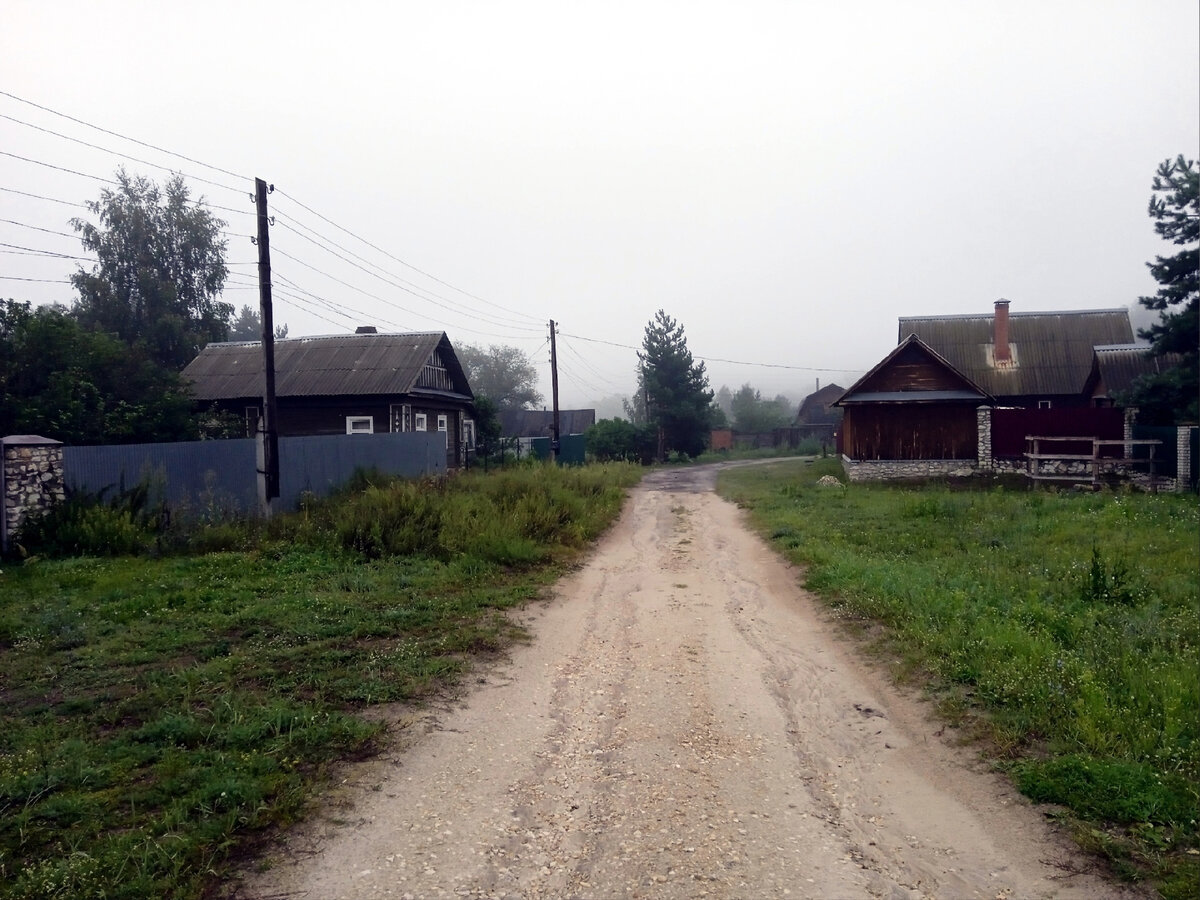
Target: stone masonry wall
[
  {"x": 33, "y": 479},
  {"x": 892, "y": 469}
]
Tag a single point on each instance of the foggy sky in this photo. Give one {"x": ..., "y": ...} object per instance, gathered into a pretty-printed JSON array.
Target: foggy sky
[{"x": 785, "y": 179}]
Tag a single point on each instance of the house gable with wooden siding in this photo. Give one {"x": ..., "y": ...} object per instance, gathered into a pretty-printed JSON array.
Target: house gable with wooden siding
[
  {"x": 914, "y": 405},
  {"x": 345, "y": 384}
]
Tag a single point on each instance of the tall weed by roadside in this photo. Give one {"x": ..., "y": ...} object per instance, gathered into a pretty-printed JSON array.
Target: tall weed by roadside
[{"x": 1066, "y": 625}]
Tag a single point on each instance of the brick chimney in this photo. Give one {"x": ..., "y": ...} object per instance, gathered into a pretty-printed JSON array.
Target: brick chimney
[{"x": 1001, "y": 352}]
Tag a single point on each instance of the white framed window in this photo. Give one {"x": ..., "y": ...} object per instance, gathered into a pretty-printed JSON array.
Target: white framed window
[
  {"x": 360, "y": 425},
  {"x": 1043, "y": 404},
  {"x": 400, "y": 416},
  {"x": 420, "y": 422},
  {"x": 444, "y": 428},
  {"x": 469, "y": 433}
]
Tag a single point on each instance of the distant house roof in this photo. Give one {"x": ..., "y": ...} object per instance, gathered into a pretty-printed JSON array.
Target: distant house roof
[
  {"x": 1117, "y": 366},
  {"x": 538, "y": 422},
  {"x": 347, "y": 364},
  {"x": 892, "y": 379},
  {"x": 1051, "y": 352},
  {"x": 816, "y": 406}
]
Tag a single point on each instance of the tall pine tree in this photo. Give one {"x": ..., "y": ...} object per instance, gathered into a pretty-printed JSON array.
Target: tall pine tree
[
  {"x": 1173, "y": 396},
  {"x": 675, "y": 388}
]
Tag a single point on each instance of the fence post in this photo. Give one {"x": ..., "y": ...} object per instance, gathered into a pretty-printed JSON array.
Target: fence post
[
  {"x": 1131, "y": 414},
  {"x": 983, "y": 427},
  {"x": 31, "y": 478},
  {"x": 1183, "y": 457}
]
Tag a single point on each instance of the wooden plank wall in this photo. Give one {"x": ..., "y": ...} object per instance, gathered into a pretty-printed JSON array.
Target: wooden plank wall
[{"x": 910, "y": 431}]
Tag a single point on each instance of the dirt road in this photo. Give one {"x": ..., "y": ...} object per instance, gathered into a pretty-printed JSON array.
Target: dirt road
[{"x": 683, "y": 724}]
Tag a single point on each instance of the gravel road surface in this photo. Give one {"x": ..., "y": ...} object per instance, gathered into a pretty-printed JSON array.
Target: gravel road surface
[{"x": 685, "y": 723}]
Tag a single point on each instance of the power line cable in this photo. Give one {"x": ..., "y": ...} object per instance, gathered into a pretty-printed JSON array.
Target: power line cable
[
  {"x": 38, "y": 162},
  {"x": 36, "y": 228},
  {"x": 734, "y": 362},
  {"x": 424, "y": 293},
  {"x": 37, "y": 252},
  {"x": 403, "y": 262},
  {"x": 41, "y": 197},
  {"x": 587, "y": 364},
  {"x": 384, "y": 300},
  {"x": 415, "y": 292},
  {"x": 144, "y": 162},
  {"x": 123, "y": 136}
]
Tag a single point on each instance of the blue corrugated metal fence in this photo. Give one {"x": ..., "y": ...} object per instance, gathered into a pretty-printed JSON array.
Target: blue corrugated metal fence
[{"x": 211, "y": 477}]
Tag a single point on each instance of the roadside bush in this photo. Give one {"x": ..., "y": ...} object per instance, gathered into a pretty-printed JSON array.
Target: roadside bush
[
  {"x": 400, "y": 520},
  {"x": 82, "y": 525}
]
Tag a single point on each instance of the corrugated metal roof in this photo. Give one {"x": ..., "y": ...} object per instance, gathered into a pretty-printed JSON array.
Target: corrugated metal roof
[
  {"x": 538, "y": 422},
  {"x": 912, "y": 397},
  {"x": 1120, "y": 364},
  {"x": 1052, "y": 350},
  {"x": 322, "y": 366}
]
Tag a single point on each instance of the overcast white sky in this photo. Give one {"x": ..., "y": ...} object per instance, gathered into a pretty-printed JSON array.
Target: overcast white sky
[{"x": 785, "y": 179}]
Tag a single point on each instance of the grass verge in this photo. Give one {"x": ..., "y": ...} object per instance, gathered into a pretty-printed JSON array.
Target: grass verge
[
  {"x": 158, "y": 715},
  {"x": 1062, "y": 628}
]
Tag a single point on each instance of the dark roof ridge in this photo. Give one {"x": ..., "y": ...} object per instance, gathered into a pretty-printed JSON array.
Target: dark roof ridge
[
  {"x": 991, "y": 313},
  {"x": 327, "y": 337}
]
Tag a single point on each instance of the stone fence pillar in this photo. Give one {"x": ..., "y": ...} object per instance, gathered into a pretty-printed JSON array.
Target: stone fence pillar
[
  {"x": 31, "y": 478},
  {"x": 1183, "y": 457},
  {"x": 983, "y": 420}
]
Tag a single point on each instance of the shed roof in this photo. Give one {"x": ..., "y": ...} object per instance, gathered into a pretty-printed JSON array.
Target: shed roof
[
  {"x": 1118, "y": 365},
  {"x": 538, "y": 422},
  {"x": 1052, "y": 351},
  {"x": 331, "y": 365}
]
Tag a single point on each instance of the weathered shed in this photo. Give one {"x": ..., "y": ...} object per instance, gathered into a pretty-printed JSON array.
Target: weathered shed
[
  {"x": 913, "y": 405},
  {"x": 1115, "y": 368}
]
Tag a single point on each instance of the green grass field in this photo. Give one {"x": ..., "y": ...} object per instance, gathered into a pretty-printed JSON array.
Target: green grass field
[
  {"x": 1062, "y": 630},
  {"x": 159, "y": 714}
]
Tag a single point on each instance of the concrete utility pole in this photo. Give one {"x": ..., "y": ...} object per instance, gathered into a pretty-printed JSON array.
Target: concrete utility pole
[
  {"x": 554, "y": 445},
  {"x": 268, "y": 433}
]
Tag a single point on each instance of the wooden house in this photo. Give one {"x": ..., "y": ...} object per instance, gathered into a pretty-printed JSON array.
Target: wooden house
[
  {"x": 345, "y": 384},
  {"x": 818, "y": 418},
  {"x": 962, "y": 392}
]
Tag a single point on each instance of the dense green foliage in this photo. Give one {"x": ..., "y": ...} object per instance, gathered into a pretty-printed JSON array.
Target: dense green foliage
[
  {"x": 247, "y": 326},
  {"x": 752, "y": 414},
  {"x": 158, "y": 713},
  {"x": 503, "y": 374},
  {"x": 160, "y": 272},
  {"x": 66, "y": 382},
  {"x": 613, "y": 439},
  {"x": 674, "y": 388},
  {"x": 1173, "y": 396},
  {"x": 1065, "y": 627}
]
